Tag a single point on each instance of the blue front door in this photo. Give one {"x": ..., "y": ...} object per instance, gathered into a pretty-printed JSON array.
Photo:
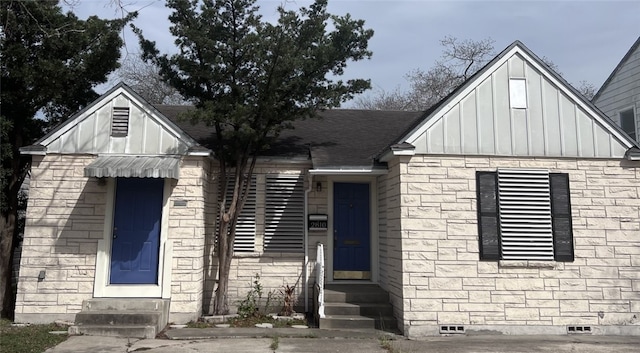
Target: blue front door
[
  {"x": 136, "y": 231},
  {"x": 351, "y": 227}
]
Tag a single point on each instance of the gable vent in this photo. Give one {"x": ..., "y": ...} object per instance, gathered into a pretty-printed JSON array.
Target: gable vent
[
  {"x": 525, "y": 214},
  {"x": 120, "y": 122},
  {"x": 284, "y": 213}
]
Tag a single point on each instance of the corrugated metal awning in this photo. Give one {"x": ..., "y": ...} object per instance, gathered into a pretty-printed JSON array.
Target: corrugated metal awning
[{"x": 134, "y": 167}]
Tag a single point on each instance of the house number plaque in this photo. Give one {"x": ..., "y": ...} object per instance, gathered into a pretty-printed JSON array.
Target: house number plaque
[{"x": 318, "y": 222}]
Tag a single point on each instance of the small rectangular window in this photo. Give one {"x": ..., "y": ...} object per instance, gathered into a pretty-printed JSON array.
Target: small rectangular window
[
  {"x": 628, "y": 123},
  {"x": 120, "y": 122},
  {"x": 518, "y": 93}
]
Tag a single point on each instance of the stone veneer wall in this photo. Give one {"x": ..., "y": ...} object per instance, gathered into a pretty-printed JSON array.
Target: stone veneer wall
[
  {"x": 187, "y": 228},
  {"x": 65, "y": 220},
  {"x": 445, "y": 283},
  {"x": 275, "y": 269},
  {"x": 390, "y": 238}
]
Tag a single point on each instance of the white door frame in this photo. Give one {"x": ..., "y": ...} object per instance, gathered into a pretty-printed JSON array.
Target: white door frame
[
  {"x": 102, "y": 288},
  {"x": 373, "y": 219}
]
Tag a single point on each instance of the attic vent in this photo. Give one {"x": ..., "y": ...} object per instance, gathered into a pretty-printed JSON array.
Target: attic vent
[{"x": 120, "y": 122}]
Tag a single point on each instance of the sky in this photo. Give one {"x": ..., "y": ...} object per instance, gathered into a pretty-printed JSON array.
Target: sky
[{"x": 585, "y": 39}]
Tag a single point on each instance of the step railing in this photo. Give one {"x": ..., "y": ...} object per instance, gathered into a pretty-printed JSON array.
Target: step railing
[{"x": 320, "y": 281}]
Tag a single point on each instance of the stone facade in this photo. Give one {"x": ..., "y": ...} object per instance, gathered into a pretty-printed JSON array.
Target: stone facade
[
  {"x": 187, "y": 228},
  {"x": 65, "y": 220},
  {"x": 445, "y": 283}
]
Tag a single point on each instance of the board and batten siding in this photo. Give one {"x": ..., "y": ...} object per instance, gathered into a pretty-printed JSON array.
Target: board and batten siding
[
  {"x": 482, "y": 121},
  {"x": 622, "y": 91},
  {"x": 92, "y": 134}
]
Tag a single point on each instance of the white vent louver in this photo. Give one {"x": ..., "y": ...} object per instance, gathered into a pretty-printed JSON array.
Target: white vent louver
[
  {"x": 525, "y": 214},
  {"x": 120, "y": 122},
  {"x": 284, "y": 213},
  {"x": 246, "y": 226}
]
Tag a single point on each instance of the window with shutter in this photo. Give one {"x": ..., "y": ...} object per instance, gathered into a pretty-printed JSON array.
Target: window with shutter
[
  {"x": 284, "y": 213},
  {"x": 120, "y": 122},
  {"x": 246, "y": 226},
  {"x": 524, "y": 214}
]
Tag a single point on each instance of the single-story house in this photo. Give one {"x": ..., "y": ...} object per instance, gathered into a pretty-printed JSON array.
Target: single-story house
[{"x": 511, "y": 206}]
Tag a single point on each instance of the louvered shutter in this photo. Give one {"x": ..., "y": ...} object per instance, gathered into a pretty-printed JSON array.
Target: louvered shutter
[
  {"x": 561, "y": 215},
  {"x": 120, "y": 122},
  {"x": 525, "y": 214},
  {"x": 246, "y": 226},
  {"x": 488, "y": 234},
  {"x": 284, "y": 213}
]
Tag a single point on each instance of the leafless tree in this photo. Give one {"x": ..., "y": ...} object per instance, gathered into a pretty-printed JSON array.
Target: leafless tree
[
  {"x": 460, "y": 60},
  {"x": 145, "y": 79}
]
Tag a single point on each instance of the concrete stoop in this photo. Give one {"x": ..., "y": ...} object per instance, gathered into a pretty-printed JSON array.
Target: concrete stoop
[
  {"x": 357, "y": 306},
  {"x": 121, "y": 317}
]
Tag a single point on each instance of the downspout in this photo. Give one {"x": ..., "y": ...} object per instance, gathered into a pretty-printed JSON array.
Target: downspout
[{"x": 306, "y": 242}]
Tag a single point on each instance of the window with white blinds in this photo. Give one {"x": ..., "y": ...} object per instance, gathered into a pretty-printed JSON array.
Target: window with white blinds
[
  {"x": 524, "y": 198},
  {"x": 524, "y": 214},
  {"x": 246, "y": 227},
  {"x": 284, "y": 213}
]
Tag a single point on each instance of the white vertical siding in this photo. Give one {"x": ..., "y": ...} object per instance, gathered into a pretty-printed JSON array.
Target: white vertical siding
[
  {"x": 92, "y": 134},
  {"x": 623, "y": 90},
  {"x": 481, "y": 121}
]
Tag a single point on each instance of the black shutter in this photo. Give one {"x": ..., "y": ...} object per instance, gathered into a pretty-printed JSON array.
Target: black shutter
[
  {"x": 561, "y": 217},
  {"x": 488, "y": 224}
]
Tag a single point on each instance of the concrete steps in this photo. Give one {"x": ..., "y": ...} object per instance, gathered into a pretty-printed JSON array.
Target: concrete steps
[
  {"x": 139, "y": 318},
  {"x": 357, "y": 306}
]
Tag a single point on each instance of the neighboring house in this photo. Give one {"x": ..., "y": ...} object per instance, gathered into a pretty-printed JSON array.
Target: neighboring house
[
  {"x": 619, "y": 96},
  {"x": 511, "y": 206}
]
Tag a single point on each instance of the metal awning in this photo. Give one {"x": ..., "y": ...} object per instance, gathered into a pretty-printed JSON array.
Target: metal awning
[{"x": 134, "y": 167}]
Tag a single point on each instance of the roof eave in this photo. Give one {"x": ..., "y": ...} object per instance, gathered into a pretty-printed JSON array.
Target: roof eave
[
  {"x": 403, "y": 149},
  {"x": 348, "y": 171},
  {"x": 633, "y": 154},
  {"x": 34, "y": 150}
]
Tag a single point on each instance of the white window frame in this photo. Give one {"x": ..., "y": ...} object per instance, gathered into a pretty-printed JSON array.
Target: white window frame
[
  {"x": 631, "y": 108},
  {"x": 518, "y": 93}
]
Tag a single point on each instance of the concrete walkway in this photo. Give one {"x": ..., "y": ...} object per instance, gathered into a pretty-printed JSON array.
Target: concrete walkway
[{"x": 325, "y": 341}]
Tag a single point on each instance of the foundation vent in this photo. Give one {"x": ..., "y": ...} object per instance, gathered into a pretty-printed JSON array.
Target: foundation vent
[
  {"x": 579, "y": 329},
  {"x": 445, "y": 329}
]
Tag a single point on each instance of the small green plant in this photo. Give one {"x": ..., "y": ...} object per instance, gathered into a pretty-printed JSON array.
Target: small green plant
[
  {"x": 275, "y": 342},
  {"x": 248, "y": 307}
]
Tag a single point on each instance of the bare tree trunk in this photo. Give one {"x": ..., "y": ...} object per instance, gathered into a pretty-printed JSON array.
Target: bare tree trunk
[
  {"x": 227, "y": 228},
  {"x": 7, "y": 230},
  {"x": 220, "y": 302},
  {"x": 8, "y": 222}
]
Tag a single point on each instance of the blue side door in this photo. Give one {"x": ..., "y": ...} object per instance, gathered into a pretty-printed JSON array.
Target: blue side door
[
  {"x": 351, "y": 227},
  {"x": 136, "y": 231}
]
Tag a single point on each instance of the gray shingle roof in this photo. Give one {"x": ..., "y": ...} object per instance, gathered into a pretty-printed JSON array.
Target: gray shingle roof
[{"x": 340, "y": 138}]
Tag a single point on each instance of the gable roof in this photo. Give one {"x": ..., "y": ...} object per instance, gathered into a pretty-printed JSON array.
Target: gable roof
[
  {"x": 625, "y": 58},
  {"x": 65, "y": 138},
  {"x": 437, "y": 112},
  {"x": 338, "y": 139}
]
